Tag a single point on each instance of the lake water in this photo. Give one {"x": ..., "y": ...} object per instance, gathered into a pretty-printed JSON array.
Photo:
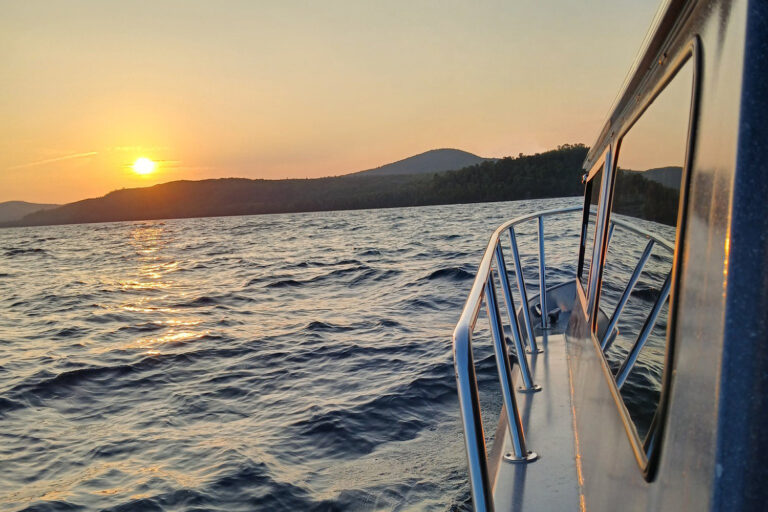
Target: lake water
[{"x": 276, "y": 362}]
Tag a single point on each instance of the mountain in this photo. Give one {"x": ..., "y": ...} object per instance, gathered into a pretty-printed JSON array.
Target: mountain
[
  {"x": 666, "y": 176},
  {"x": 555, "y": 173},
  {"x": 14, "y": 210},
  {"x": 436, "y": 160}
]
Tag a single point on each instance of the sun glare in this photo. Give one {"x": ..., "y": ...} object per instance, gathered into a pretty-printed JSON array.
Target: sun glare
[{"x": 144, "y": 165}]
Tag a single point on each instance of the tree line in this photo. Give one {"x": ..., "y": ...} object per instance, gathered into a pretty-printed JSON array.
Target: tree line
[{"x": 555, "y": 173}]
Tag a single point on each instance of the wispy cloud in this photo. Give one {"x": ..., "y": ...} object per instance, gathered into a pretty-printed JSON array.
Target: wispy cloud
[{"x": 57, "y": 159}]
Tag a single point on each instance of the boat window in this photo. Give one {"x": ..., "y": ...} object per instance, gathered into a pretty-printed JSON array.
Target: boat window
[
  {"x": 642, "y": 235},
  {"x": 592, "y": 196}
]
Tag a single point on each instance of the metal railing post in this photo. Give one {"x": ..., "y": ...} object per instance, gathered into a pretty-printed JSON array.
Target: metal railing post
[
  {"x": 625, "y": 296},
  {"x": 525, "y": 371},
  {"x": 523, "y": 294},
  {"x": 650, "y": 322},
  {"x": 469, "y": 406},
  {"x": 481, "y": 486},
  {"x": 519, "y": 451},
  {"x": 542, "y": 278}
]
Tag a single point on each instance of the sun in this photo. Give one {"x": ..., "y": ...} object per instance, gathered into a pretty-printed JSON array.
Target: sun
[{"x": 143, "y": 166}]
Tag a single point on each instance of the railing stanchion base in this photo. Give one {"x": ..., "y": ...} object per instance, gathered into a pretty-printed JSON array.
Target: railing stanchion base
[{"x": 530, "y": 457}]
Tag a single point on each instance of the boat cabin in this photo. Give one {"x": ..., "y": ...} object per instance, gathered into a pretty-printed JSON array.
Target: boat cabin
[{"x": 640, "y": 381}]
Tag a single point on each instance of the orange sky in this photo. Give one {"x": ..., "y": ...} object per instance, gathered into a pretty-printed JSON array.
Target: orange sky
[{"x": 294, "y": 89}]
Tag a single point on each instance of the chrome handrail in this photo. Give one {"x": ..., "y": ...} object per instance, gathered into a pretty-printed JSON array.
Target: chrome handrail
[
  {"x": 469, "y": 401},
  {"x": 523, "y": 294},
  {"x": 542, "y": 278}
]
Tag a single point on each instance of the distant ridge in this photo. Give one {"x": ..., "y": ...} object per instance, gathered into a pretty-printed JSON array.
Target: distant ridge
[
  {"x": 435, "y": 160},
  {"x": 666, "y": 176},
  {"x": 11, "y": 211},
  {"x": 555, "y": 173}
]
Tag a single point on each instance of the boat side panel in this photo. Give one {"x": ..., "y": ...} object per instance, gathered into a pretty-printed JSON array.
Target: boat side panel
[
  {"x": 740, "y": 471},
  {"x": 686, "y": 470},
  {"x": 612, "y": 479},
  {"x": 687, "y": 457}
]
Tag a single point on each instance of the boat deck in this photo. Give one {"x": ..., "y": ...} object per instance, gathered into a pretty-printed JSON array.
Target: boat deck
[{"x": 552, "y": 481}]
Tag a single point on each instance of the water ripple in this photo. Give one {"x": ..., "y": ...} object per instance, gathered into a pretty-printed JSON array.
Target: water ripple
[{"x": 277, "y": 362}]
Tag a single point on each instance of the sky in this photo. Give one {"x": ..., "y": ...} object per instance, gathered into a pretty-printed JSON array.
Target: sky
[
  {"x": 290, "y": 89},
  {"x": 659, "y": 137}
]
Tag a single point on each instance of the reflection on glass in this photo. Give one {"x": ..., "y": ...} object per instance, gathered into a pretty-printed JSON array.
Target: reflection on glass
[
  {"x": 594, "y": 186},
  {"x": 646, "y": 194}
]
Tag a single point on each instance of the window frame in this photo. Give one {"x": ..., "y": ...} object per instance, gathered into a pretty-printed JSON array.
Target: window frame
[
  {"x": 604, "y": 163},
  {"x": 647, "y": 454}
]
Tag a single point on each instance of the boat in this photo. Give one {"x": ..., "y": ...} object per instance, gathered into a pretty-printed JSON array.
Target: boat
[{"x": 636, "y": 378}]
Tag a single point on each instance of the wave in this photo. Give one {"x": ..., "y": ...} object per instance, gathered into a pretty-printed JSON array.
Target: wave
[
  {"x": 16, "y": 251},
  {"x": 7, "y": 405},
  {"x": 108, "y": 318},
  {"x": 53, "y": 506},
  {"x": 356, "y": 275},
  {"x": 327, "y": 326},
  {"x": 389, "y": 323},
  {"x": 361, "y": 428},
  {"x": 450, "y": 274},
  {"x": 434, "y": 303},
  {"x": 326, "y": 367},
  {"x": 70, "y": 332},
  {"x": 342, "y": 272},
  {"x": 645, "y": 293},
  {"x": 45, "y": 384},
  {"x": 253, "y": 281},
  {"x": 312, "y": 263},
  {"x": 234, "y": 483},
  {"x": 365, "y": 276},
  {"x": 221, "y": 301},
  {"x": 141, "y": 328},
  {"x": 205, "y": 300},
  {"x": 285, "y": 283},
  {"x": 387, "y": 274}
]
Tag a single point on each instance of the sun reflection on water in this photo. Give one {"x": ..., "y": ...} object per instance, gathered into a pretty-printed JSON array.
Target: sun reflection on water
[
  {"x": 172, "y": 337},
  {"x": 153, "y": 272},
  {"x": 60, "y": 489},
  {"x": 141, "y": 307},
  {"x": 136, "y": 285}
]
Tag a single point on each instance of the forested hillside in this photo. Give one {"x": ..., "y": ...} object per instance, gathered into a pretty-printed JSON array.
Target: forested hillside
[{"x": 554, "y": 173}]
